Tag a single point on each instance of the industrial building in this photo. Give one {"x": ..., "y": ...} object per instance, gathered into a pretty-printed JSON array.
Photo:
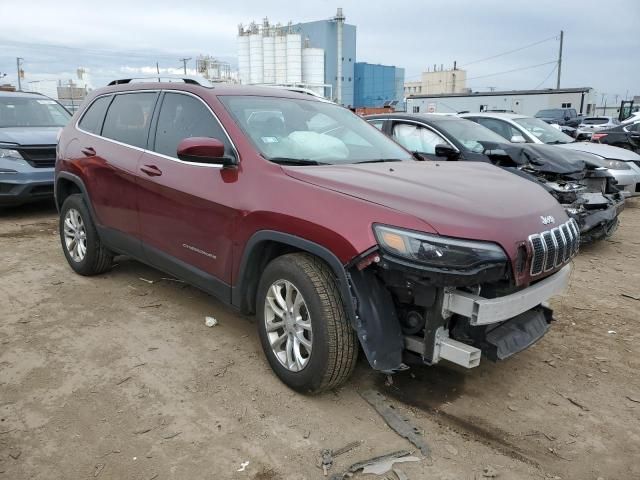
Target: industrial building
[
  {"x": 377, "y": 85},
  {"x": 526, "y": 102},
  {"x": 436, "y": 82},
  {"x": 317, "y": 55}
]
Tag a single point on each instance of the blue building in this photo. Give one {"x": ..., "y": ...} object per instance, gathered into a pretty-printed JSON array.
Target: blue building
[
  {"x": 375, "y": 85},
  {"x": 324, "y": 34}
]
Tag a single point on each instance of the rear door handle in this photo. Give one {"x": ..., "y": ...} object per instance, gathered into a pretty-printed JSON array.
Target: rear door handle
[
  {"x": 151, "y": 170},
  {"x": 89, "y": 151}
]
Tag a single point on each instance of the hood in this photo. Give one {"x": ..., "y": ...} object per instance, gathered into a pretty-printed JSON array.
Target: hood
[
  {"x": 549, "y": 159},
  {"x": 606, "y": 151},
  {"x": 472, "y": 200},
  {"x": 30, "y": 135}
]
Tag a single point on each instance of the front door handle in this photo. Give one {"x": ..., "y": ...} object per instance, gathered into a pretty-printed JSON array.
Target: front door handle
[
  {"x": 151, "y": 170},
  {"x": 89, "y": 151}
]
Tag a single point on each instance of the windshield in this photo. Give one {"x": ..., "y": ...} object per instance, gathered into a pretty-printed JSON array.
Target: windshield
[
  {"x": 549, "y": 114},
  {"x": 470, "y": 134},
  {"x": 543, "y": 131},
  {"x": 32, "y": 112},
  {"x": 288, "y": 130}
]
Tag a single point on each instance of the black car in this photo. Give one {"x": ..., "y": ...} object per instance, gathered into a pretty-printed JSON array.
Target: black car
[
  {"x": 623, "y": 136},
  {"x": 576, "y": 179},
  {"x": 561, "y": 116}
]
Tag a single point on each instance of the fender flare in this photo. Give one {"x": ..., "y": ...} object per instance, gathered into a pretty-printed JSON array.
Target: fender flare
[
  {"x": 77, "y": 181},
  {"x": 240, "y": 288}
]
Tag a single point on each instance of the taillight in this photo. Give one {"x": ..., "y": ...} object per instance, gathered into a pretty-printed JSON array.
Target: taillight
[{"x": 597, "y": 136}]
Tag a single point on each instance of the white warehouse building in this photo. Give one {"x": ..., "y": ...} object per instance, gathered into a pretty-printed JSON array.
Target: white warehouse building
[{"x": 526, "y": 102}]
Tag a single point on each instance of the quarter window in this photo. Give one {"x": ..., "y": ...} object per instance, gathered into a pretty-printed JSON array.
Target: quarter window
[
  {"x": 183, "y": 116},
  {"x": 416, "y": 138},
  {"x": 94, "y": 116},
  {"x": 128, "y": 118}
]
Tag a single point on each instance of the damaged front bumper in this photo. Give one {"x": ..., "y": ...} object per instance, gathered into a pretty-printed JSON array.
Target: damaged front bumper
[
  {"x": 496, "y": 327},
  {"x": 597, "y": 215}
]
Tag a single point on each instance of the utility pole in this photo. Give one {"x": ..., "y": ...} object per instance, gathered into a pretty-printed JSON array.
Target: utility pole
[
  {"x": 560, "y": 59},
  {"x": 73, "y": 106},
  {"x": 339, "y": 19},
  {"x": 18, "y": 65},
  {"x": 158, "y": 70},
  {"x": 184, "y": 63}
]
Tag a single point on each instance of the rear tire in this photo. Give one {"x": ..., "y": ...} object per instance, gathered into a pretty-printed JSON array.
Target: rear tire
[
  {"x": 80, "y": 242},
  {"x": 316, "y": 317}
]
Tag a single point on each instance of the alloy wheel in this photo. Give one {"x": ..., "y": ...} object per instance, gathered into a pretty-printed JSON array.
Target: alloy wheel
[
  {"x": 75, "y": 235},
  {"x": 288, "y": 325}
]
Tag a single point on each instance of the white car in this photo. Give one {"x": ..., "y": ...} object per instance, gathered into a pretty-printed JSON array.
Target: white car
[
  {"x": 623, "y": 164},
  {"x": 595, "y": 124}
]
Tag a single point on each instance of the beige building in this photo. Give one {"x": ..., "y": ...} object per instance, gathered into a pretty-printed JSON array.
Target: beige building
[{"x": 438, "y": 82}]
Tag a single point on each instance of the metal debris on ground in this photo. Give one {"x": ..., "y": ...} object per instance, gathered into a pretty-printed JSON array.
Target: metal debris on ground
[
  {"x": 151, "y": 282},
  {"x": 327, "y": 455},
  {"x": 210, "y": 321},
  {"x": 401, "y": 455},
  {"x": 383, "y": 466},
  {"x": 397, "y": 422},
  {"x": 243, "y": 466},
  {"x": 632, "y": 297}
]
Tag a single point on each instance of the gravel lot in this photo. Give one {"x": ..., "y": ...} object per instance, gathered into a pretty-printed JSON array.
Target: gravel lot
[{"x": 113, "y": 377}]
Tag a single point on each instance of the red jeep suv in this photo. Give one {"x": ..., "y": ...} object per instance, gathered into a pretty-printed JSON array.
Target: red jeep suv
[{"x": 299, "y": 211}]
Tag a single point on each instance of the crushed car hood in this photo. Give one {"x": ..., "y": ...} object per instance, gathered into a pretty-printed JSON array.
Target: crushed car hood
[
  {"x": 605, "y": 151},
  {"x": 549, "y": 159},
  {"x": 30, "y": 135},
  {"x": 460, "y": 199}
]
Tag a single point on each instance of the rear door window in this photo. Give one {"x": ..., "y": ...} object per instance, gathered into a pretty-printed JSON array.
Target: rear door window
[
  {"x": 94, "y": 116},
  {"x": 128, "y": 118},
  {"x": 183, "y": 116}
]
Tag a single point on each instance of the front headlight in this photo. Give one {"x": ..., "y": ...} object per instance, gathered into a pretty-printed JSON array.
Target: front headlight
[
  {"x": 439, "y": 252},
  {"x": 10, "y": 154},
  {"x": 615, "y": 164}
]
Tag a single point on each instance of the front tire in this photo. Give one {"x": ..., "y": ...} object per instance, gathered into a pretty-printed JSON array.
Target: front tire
[
  {"x": 302, "y": 324},
  {"x": 80, "y": 242}
]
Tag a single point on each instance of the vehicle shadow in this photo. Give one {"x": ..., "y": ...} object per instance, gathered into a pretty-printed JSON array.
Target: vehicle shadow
[{"x": 35, "y": 210}]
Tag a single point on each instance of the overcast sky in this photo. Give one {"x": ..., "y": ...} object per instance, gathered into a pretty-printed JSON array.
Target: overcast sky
[{"x": 114, "y": 38}]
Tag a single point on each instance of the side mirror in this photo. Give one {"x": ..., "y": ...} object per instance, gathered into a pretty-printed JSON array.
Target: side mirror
[
  {"x": 204, "y": 150},
  {"x": 518, "y": 139},
  {"x": 447, "y": 151}
]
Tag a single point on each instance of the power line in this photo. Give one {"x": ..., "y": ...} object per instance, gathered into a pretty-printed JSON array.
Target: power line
[
  {"x": 511, "y": 51},
  {"x": 513, "y": 70},
  {"x": 547, "y": 77}
]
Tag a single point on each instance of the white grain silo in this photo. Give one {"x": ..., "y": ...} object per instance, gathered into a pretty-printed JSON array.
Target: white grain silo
[
  {"x": 313, "y": 69},
  {"x": 268, "y": 50},
  {"x": 280, "y": 57},
  {"x": 294, "y": 58},
  {"x": 256, "y": 60},
  {"x": 243, "y": 56}
]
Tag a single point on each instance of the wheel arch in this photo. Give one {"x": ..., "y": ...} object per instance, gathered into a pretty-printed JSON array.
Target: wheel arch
[
  {"x": 367, "y": 303},
  {"x": 265, "y": 245}
]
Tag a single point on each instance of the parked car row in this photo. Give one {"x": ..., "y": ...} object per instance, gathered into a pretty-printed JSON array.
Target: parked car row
[{"x": 430, "y": 237}]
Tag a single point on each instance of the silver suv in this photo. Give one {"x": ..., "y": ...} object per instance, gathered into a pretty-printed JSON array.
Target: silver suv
[{"x": 29, "y": 127}]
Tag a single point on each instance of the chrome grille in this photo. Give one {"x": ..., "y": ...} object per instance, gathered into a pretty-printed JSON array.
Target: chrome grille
[{"x": 552, "y": 248}]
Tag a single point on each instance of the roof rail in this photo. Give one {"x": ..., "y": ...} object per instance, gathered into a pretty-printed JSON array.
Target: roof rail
[{"x": 158, "y": 78}]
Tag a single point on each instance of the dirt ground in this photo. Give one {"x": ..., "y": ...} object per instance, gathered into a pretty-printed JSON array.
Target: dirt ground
[{"x": 112, "y": 377}]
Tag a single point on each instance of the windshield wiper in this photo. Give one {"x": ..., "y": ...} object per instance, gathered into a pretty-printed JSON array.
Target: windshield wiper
[
  {"x": 295, "y": 161},
  {"x": 381, "y": 160},
  {"x": 557, "y": 142}
]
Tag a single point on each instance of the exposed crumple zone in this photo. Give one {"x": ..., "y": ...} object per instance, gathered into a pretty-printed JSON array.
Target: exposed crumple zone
[{"x": 586, "y": 190}]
